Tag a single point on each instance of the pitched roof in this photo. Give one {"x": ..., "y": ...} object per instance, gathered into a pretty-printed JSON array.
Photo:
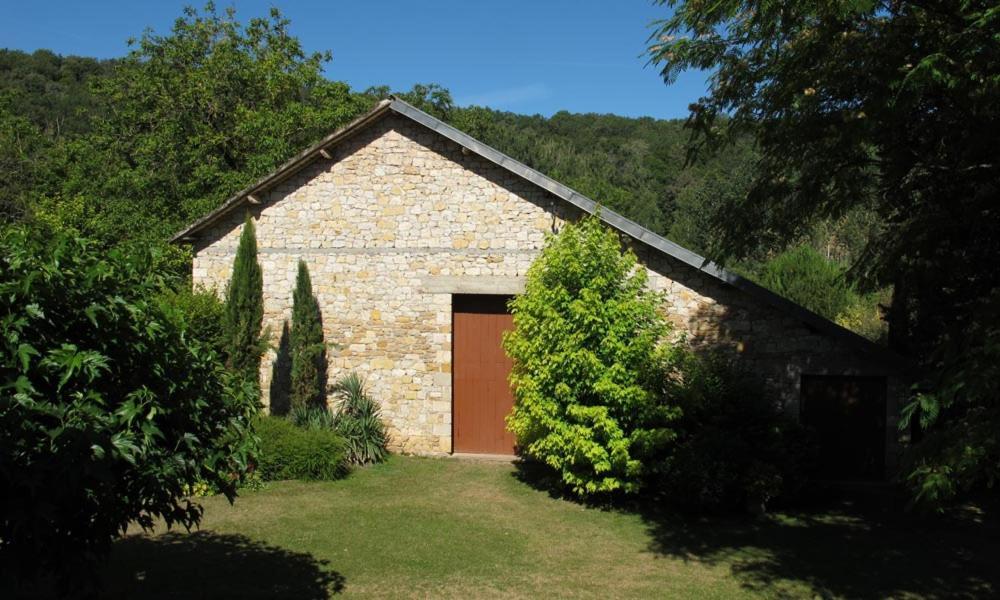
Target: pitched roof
[{"x": 251, "y": 195}]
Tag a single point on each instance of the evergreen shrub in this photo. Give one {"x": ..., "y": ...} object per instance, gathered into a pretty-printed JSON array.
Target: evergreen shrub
[{"x": 291, "y": 452}]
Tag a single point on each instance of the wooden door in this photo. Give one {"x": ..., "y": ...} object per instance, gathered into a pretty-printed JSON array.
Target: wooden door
[
  {"x": 848, "y": 416},
  {"x": 481, "y": 396}
]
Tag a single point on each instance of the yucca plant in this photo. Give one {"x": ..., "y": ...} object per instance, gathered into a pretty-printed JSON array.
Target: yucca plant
[
  {"x": 358, "y": 419},
  {"x": 312, "y": 417}
]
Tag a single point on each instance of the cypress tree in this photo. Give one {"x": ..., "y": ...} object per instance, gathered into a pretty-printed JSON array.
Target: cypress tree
[
  {"x": 308, "y": 385},
  {"x": 245, "y": 308}
]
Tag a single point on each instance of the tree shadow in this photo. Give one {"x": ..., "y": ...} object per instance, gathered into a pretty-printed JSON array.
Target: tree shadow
[
  {"x": 281, "y": 374},
  {"x": 322, "y": 361},
  {"x": 541, "y": 477},
  {"x": 840, "y": 550},
  {"x": 203, "y": 564},
  {"x": 850, "y": 545}
]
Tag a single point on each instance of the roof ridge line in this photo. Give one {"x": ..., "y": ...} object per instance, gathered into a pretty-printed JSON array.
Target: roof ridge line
[
  {"x": 283, "y": 170},
  {"x": 566, "y": 193},
  {"x": 642, "y": 234}
]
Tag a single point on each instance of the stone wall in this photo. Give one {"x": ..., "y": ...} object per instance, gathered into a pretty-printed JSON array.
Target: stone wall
[{"x": 400, "y": 218}]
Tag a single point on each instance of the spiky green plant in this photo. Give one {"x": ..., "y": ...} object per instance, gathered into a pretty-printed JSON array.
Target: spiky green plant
[
  {"x": 308, "y": 377},
  {"x": 245, "y": 309},
  {"x": 312, "y": 417},
  {"x": 358, "y": 419}
]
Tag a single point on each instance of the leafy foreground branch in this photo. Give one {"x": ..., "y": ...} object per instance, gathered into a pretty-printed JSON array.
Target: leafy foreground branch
[{"x": 110, "y": 406}]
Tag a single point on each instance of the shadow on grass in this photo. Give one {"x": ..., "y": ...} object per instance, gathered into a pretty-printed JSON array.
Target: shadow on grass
[
  {"x": 837, "y": 548},
  {"x": 210, "y": 565},
  {"x": 841, "y": 551}
]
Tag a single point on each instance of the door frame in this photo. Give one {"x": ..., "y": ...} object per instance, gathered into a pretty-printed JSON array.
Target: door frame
[
  {"x": 883, "y": 384},
  {"x": 454, "y": 296}
]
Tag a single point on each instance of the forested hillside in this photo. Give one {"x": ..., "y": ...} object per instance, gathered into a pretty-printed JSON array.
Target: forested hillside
[
  {"x": 129, "y": 151},
  {"x": 52, "y": 92}
]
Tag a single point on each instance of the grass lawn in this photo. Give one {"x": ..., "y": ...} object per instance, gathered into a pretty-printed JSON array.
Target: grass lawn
[{"x": 450, "y": 528}]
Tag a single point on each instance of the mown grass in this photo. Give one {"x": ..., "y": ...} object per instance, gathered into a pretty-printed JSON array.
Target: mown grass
[{"x": 454, "y": 529}]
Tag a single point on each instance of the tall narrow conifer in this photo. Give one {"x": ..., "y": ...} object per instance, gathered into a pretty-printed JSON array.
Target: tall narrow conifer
[
  {"x": 245, "y": 307},
  {"x": 308, "y": 385}
]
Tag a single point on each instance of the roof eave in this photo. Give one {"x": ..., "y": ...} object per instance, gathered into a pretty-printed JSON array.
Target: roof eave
[
  {"x": 651, "y": 239},
  {"x": 249, "y": 195},
  {"x": 626, "y": 226}
]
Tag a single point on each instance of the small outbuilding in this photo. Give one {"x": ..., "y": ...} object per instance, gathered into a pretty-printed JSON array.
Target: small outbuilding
[{"x": 417, "y": 234}]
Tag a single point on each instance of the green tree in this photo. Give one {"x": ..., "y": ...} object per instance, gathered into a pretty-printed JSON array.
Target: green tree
[
  {"x": 804, "y": 276},
  {"x": 431, "y": 98},
  {"x": 963, "y": 455},
  {"x": 245, "y": 308},
  {"x": 188, "y": 118},
  {"x": 701, "y": 188},
  {"x": 22, "y": 149},
  {"x": 586, "y": 344},
  {"x": 110, "y": 406},
  {"x": 204, "y": 313},
  {"x": 308, "y": 350},
  {"x": 52, "y": 91},
  {"x": 884, "y": 104}
]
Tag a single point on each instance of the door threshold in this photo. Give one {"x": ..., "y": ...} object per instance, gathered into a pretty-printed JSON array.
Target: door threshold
[{"x": 485, "y": 457}]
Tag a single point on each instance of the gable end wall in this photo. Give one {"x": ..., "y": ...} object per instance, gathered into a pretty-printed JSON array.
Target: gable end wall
[{"x": 400, "y": 218}]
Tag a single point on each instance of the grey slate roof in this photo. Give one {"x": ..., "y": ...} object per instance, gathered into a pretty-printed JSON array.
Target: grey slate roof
[{"x": 626, "y": 226}]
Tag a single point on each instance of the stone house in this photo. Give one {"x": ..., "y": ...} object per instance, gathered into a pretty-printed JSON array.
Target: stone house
[{"x": 416, "y": 234}]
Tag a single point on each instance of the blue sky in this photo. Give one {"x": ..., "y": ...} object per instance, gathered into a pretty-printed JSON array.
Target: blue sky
[{"x": 526, "y": 57}]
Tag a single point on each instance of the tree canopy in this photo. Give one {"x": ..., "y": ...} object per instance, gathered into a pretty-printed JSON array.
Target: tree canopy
[
  {"x": 884, "y": 105},
  {"x": 166, "y": 133},
  {"x": 188, "y": 118}
]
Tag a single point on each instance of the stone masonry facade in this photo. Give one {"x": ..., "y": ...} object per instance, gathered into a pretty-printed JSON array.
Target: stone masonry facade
[{"x": 400, "y": 218}]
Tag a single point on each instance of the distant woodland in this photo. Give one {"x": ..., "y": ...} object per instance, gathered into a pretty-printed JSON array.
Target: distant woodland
[{"x": 128, "y": 151}]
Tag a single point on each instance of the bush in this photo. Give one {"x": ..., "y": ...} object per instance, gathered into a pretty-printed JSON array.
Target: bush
[
  {"x": 359, "y": 420},
  {"x": 806, "y": 277},
  {"x": 110, "y": 405},
  {"x": 735, "y": 446},
  {"x": 290, "y": 452},
  {"x": 204, "y": 313},
  {"x": 586, "y": 347},
  {"x": 864, "y": 316}
]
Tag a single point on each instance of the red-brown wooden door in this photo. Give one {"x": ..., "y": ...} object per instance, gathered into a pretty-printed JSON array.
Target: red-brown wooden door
[{"x": 481, "y": 396}]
